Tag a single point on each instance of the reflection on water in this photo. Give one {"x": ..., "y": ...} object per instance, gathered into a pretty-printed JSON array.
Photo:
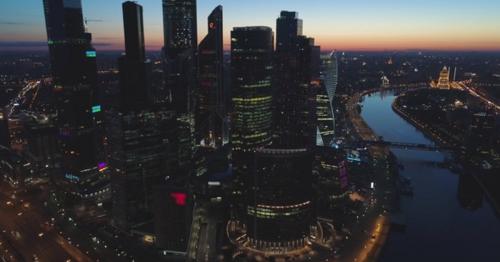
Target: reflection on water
[{"x": 448, "y": 218}]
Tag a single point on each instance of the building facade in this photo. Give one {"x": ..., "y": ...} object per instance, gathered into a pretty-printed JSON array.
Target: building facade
[
  {"x": 251, "y": 76},
  {"x": 211, "y": 111}
]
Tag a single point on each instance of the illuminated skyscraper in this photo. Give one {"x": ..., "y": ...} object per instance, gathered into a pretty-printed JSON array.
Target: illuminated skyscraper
[
  {"x": 211, "y": 109},
  {"x": 279, "y": 208},
  {"x": 329, "y": 73},
  {"x": 251, "y": 74},
  {"x": 181, "y": 40},
  {"x": 324, "y": 98}
]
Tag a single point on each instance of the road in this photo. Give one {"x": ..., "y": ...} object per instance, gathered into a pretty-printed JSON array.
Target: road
[
  {"x": 478, "y": 94},
  {"x": 29, "y": 233},
  {"x": 21, "y": 97}
]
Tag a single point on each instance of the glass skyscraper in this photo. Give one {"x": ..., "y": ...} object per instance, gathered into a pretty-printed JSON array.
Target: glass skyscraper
[
  {"x": 139, "y": 133},
  {"x": 211, "y": 111},
  {"x": 181, "y": 42},
  {"x": 74, "y": 73},
  {"x": 135, "y": 70},
  {"x": 251, "y": 76}
]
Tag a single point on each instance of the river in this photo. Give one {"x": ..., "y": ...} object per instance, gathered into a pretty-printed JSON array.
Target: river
[{"x": 448, "y": 218}]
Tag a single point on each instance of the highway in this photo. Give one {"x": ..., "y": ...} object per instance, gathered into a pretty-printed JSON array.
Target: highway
[
  {"x": 21, "y": 96},
  {"x": 478, "y": 94},
  {"x": 29, "y": 234}
]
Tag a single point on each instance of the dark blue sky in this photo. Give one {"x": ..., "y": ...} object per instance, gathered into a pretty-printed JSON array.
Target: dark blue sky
[{"x": 336, "y": 24}]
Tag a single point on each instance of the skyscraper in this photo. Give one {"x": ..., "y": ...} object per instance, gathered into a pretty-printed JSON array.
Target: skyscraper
[
  {"x": 324, "y": 99},
  {"x": 211, "y": 109},
  {"x": 288, "y": 27},
  {"x": 139, "y": 133},
  {"x": 181, "y": 40},
  {"x": 279, "y": 202},
  {"x": 74, "y": 73},
  {"x": 72, "y": 57},
  {"x": 251, "y": 75},
  {"x": 135, "y": 71},
  {"x": 180, "y": 69},
  {"x": 295, "y": 67}
]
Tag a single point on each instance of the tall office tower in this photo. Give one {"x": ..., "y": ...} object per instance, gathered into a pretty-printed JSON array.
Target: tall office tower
[
  {"x": 288, "y": 27},
  {"x": 74, "y": 73},
  {"x": 211, "y": 111},
  {"x": 139, "y": 152},
  {"x": 324, "y": 116},
  {"x": 71, "y": 53},
  {"x": 135, "y": 71},
  {"x": 139, "y": 133},
  {"x": 251, "y": 76},
  {"x": 181, "y": 39},
  {"x": 180, "y": 69},
  {"x": 324, "y": 99},
  {"x": 279, "y": 205},
  {"x": 295, "y": 66}
]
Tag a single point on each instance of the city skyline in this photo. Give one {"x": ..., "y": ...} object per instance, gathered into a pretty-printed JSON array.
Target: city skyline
[{"x": 363, "y": 25}]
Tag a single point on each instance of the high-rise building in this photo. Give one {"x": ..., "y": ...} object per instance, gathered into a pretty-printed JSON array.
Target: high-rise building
[
  {"x": 297, "y": 64},
  {"x": 329, "y": 73},
  {"x": 251, "y": 77},
  {"x": 180, "y": 69},
  {"x": 139, "y": 152},
  {"x": 211, "y": 111},
  {"x": 135, "y": 70},
  {"x": 324, "y": 116},
  {"x": 279, "y": 203},
  {"x": 181, "y": 40},
  {"x": 324, "y": 100},
  {"x": 72, "y": 57},
  {"x": 73, "y": 65},
  {"x": 140, "y": 134},
  {"x": 288, "y": 27},
  {"x": 279, "y": 206}
]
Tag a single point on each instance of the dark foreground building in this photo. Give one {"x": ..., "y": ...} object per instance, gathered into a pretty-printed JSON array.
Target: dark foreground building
[
  {"x": 73, "y": 67},
  {"x": 139, "y": 132},
  {"x": 211, "y": 111},
  {"x": 280, "y": 206}
]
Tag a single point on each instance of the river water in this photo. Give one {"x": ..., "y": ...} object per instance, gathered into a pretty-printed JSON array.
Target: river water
[{"x": 448, "y": 218}]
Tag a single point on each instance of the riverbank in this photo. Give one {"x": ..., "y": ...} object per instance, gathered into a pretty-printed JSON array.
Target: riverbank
[
  {"x": 423, "y": 129},
  {"x": 446, "y": 212},
  {"x": 379, "y": 228},
  {"x": 459, "y": 154}
]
